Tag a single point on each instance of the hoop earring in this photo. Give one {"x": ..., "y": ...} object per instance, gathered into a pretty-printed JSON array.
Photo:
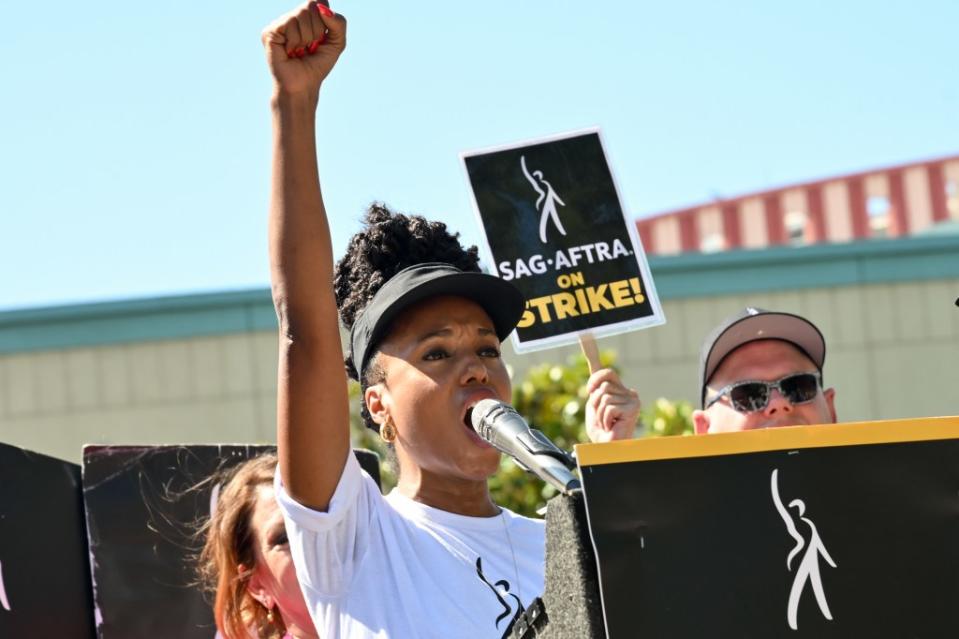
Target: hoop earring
[{"x": 388, "y": 431}]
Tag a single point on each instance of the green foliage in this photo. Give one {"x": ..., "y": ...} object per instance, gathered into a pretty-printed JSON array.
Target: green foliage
[
  {"x": 667, "y": 418},
  {"x": 552, "y": 397}
]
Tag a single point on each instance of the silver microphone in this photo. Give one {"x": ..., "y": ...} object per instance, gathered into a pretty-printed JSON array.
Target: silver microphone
[{"x": 508, "y": 432}]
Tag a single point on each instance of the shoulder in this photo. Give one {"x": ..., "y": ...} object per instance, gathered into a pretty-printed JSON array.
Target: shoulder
[
  {"x": 530, "y": 525},
  {"x": 356, "y": 501}
]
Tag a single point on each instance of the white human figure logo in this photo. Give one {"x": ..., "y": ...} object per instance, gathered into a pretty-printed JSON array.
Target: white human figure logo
[
  {"x": 808, "y": 568},
  {"x": 547, "y": 198},
  {"x": 3, "y": 592}
]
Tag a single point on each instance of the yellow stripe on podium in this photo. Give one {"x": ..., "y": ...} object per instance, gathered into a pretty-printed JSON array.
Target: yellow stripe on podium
[{"x": 770, "y": 439}]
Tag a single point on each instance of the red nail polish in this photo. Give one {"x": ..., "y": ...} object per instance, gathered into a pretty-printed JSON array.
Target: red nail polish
[
  {"x": 300, "y": 52},
  {"x": 313, "y": 47},
  {"x": 325, "y": 10},
  {"x": 289, "y": 53}
]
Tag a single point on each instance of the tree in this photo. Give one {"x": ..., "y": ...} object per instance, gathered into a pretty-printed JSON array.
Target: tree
[{"x": 667, "y": 418}]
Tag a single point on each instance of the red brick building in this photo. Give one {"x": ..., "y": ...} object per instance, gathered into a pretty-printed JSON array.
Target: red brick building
[{"x": 888, "y": 202}]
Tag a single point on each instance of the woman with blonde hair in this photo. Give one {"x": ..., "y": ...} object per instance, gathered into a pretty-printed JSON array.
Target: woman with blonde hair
[{"x": 246, "y": 559}]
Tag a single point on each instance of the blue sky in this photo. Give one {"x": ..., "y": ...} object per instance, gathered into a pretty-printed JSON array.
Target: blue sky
[{"x": 134, "y": 137}]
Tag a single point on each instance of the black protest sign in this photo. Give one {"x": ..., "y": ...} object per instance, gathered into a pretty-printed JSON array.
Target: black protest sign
[
  {"x": 44, "y": 567},
  {"x": 144, "y": 506},
  {"x": 823, "y": 531},
  {"x": 554, "y": 225}
]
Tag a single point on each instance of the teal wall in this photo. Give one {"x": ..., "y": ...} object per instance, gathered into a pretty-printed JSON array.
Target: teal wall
[{"x": 677, "y": 277}]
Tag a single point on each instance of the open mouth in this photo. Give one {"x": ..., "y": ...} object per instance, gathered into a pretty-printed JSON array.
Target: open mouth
[{"x": 469, "y": 404}]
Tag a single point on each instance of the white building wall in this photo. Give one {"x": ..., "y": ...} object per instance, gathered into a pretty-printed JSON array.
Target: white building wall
[{"x": 892, "y": 352}]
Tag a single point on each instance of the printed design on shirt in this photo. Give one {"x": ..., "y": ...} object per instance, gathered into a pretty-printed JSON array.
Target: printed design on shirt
[{"x": 501, "y": 591}]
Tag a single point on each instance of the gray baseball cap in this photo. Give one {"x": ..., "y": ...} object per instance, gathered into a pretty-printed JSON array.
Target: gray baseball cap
[{"x": 753, "y": 324}]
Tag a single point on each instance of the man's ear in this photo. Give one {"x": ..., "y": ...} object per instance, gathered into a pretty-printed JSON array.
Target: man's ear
[
  {"x": 830, "y": 395},
  {"x": 700, "y": 421},
  {"x": 377, "y": 401}
]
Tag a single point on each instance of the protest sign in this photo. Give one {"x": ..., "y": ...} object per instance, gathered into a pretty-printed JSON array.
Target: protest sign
[
  {"x": 144, "y": 507},
  {"x": 554, "y": 226},
  {"x": 44, "y": 566},
  {"x": 819, "y": 531}
]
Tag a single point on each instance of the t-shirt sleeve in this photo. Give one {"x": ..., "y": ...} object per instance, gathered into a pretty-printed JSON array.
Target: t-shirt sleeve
[{"x": 328, "y": 547}]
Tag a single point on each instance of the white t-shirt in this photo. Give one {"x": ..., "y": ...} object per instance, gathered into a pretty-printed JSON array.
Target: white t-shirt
[{"x": 374, "y": 566}]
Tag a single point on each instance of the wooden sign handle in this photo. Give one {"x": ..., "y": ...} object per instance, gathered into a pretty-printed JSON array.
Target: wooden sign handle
[{"x": 588, "y": 343}]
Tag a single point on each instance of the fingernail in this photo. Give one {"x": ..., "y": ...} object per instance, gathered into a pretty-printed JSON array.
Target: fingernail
[
  {"x": 300, "y": 52},
  {"x": 313, "y": 47},
  {"x": 325, "y": 10},
  {"x": 289, "y": 53}
]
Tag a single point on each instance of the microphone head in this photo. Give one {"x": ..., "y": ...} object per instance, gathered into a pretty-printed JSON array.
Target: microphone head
[{"x": 481, "y": 410}]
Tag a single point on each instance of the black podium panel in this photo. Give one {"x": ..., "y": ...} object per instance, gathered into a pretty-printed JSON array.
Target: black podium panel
[
  {"x": 144, "y": 504},
  {"x": 809, "y": 539},
  {"x": 44, "y": 566}
]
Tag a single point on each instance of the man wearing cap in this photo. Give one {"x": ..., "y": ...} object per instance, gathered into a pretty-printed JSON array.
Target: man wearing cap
[{"x": 762, "y": 369}]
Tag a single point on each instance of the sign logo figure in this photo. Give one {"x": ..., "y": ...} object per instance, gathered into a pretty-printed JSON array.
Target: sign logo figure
[
  {"x": 546, "y": 202},
  {"x": 808, "y": 568},
  {"x": 4, "y": 602}
]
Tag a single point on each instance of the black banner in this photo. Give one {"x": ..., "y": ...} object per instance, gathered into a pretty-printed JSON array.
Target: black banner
[
  {"x": 805, "y": 540},
  {"x": 44, "y": 566},
  {"x": 144, "y": 504},
  {"x": 555, "y": 227}
]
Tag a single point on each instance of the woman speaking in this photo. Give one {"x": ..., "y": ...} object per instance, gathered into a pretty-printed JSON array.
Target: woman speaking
[{"x": 436, "y": 557}]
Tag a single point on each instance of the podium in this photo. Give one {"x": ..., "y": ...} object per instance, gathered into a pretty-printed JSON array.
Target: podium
[
  {"x": 142, "y": 504},
  {"x": 570, "y": 608},
  {"x": 45, "y": 588},
  {"x": 845, "y": 530}
]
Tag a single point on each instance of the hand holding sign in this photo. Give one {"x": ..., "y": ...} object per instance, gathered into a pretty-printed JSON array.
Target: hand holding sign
[
  {"x": 554, "y": 225},
  {"x": 612, "y": 409}
]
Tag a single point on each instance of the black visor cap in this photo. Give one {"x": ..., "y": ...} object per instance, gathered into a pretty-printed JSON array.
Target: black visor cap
[{"x": 502, "y": 301}]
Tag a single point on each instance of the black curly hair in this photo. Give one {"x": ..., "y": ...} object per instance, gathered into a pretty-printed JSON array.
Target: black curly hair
[{"x": 389, "y": 243}]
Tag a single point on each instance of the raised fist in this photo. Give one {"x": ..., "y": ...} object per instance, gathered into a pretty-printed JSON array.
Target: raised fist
[{"x": 303, "y": 46}]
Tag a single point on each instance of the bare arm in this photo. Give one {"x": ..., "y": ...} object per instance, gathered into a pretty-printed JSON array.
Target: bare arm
[{"x": 313, "y": 437}]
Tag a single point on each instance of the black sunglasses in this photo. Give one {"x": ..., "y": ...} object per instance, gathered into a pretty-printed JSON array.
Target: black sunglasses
[{"x": 752, "y": 396}]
